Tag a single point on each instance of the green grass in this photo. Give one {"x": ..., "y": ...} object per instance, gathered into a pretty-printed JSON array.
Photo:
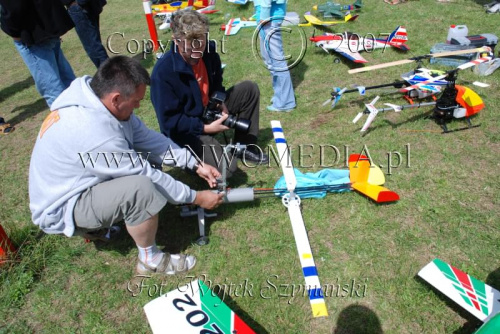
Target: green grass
[{"x": 449, "y": 205}]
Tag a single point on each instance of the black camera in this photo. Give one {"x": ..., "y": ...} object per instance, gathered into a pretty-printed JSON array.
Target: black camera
[{"x": 213, "y": 112}]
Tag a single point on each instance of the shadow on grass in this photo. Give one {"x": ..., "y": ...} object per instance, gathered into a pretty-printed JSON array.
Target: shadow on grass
[
  {"x": 472, "y": 322},
  {"x": 27, "y": 111},
  {"x": 358, "y": 319},
  {"x": 7, "y": 92}
]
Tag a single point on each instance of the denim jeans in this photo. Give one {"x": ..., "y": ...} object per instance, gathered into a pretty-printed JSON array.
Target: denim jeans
[
  {"x": 48, "y": 67},
  {"x": 87, "y": 29},
  {"x": 271, "y": 48}
]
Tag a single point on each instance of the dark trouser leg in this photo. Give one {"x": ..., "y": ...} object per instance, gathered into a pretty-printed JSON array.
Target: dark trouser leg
[{"x": 243, "y": 100}]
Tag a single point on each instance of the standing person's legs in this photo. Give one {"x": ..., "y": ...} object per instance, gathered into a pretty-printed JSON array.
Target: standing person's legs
[
  {"x": 44, "y": 67},
  {"x": 136, "y": 201},
  {"x": 65, "y": 71},
  {"x": 271, "y": 47},
  {"x": 88, "y": 31}
]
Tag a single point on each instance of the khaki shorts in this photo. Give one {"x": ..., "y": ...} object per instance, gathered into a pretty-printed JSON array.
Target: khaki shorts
[{"x": 132, "y": 199}]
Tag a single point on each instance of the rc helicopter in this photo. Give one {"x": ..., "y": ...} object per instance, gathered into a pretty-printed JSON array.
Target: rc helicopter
[
  {"x": 455, "y": 102},
  {"x": 429, "y": 83}
]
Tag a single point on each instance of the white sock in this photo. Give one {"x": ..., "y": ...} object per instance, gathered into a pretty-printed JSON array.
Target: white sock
[{"x": 150, "y": 255}]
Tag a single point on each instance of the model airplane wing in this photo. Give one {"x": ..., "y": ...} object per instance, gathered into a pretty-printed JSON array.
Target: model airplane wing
[
  {"x": 193, "y": 308},
  {"x": 234, "y": 25},
  {"x": 352, "y": 56},
  {"x": 362, "y": 174},
  {"x": 292, "y": 202},
  {"x": 478, "y": 298},
  {"x": 313, "y": 20}
]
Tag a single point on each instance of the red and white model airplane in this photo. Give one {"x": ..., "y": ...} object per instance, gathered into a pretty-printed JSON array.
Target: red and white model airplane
[{"x": 349, "y": 44}]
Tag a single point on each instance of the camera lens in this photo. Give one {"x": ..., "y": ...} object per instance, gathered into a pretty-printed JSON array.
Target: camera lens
[{"x": 239, "y": 124}]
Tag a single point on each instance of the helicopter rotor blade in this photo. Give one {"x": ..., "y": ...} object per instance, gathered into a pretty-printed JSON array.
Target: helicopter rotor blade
[{"x": 411, "y": 60}]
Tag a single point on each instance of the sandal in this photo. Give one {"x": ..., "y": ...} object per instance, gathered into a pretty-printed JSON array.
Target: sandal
[
  {"x": 6, "y": 128},
  {"x": 170, "y": 264}
]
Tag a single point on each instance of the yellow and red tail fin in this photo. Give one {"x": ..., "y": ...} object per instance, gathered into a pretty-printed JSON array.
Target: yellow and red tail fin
[{"x": 368, "y": 179}]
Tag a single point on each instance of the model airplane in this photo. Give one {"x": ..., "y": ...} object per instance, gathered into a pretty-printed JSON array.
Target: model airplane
[
  {"x": 349, "y": 45},
  {"x": 238, "y": 2},
  {"x": 205, "y": 6},
  {"x": 193, "y": 309},
  {"x": 332, "y": 10},
  {"x": 313, "y": 20},
  {"x": 234, "y": 25},
  {"x": 165, "y": 11},
  {"x": 476, "y": 297}
]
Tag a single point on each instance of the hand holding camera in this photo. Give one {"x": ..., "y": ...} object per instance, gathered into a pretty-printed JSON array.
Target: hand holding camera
[{"x": 217, "y": 121}]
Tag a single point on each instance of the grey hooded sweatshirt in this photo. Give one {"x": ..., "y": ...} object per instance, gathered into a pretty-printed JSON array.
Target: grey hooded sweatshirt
[{"x": 81, "y": 144}]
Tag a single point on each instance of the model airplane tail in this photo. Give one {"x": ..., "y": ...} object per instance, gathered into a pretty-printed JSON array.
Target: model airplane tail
[
  {"x": 367, "y": 179},
  {"x": 478, "y": 298},
  {"x": 193, "y": 308},
  {"x": 398, "y": 38}
]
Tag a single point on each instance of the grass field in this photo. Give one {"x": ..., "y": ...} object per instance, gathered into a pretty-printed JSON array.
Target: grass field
[{"x": 449, "y": 207}]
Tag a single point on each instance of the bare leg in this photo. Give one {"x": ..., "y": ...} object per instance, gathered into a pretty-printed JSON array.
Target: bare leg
[{"x": 144, "y": 234}]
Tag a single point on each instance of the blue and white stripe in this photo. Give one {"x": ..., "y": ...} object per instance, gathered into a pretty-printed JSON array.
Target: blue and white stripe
[{"x": 309, "y": 269}]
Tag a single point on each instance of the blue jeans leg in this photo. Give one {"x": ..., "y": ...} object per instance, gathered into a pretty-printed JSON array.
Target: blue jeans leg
[
  {"x": 271, "y": 47},
  {"x": 88, "y": 31},
  {"x": 48, "y": 67}
]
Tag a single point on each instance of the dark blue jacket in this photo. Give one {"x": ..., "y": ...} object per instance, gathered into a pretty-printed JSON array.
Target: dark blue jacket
[{"x": 176, "y": 95}]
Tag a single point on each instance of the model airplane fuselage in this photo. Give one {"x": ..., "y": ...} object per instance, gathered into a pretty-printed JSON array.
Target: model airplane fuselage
[
  {"x": 332, "y": 10},
  {"x": 349, "y": 44}
]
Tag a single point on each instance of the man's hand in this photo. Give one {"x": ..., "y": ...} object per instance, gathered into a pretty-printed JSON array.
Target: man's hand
[
  {"x": 209, "y": 173},
  {"x": 216, "y": 126},
  {"x": 207, "y": 199}
]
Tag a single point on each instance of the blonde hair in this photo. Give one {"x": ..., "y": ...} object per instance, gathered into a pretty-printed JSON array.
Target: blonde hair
[{"x": 189, "y": 24}]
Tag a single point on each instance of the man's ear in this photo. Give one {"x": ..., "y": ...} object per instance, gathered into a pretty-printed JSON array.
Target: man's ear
[{"x": 114, "y": 98}]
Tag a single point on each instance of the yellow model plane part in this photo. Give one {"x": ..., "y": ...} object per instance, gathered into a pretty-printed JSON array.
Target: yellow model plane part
[
  {"x": 167, "y": 8},
  {"x": 313, "y": 20},
  {"x": 368, "y": 179}
]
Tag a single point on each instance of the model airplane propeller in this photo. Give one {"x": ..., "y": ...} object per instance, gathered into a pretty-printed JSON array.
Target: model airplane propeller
[{"x": 476, "y": 297}]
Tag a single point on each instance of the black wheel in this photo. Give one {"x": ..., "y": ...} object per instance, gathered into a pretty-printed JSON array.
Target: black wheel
[{"x": 336, "y": 60}]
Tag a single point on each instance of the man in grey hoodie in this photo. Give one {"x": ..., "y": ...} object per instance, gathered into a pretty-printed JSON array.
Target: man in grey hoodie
[{"x": 90, "y": 165}]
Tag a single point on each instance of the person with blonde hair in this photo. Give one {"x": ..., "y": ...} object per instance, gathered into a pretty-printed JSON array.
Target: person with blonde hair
[{"x": 182, "y": 84}]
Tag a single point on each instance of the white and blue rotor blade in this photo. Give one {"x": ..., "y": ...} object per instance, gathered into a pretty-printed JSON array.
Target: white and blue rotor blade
[{"x": 313, "y": 286}]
